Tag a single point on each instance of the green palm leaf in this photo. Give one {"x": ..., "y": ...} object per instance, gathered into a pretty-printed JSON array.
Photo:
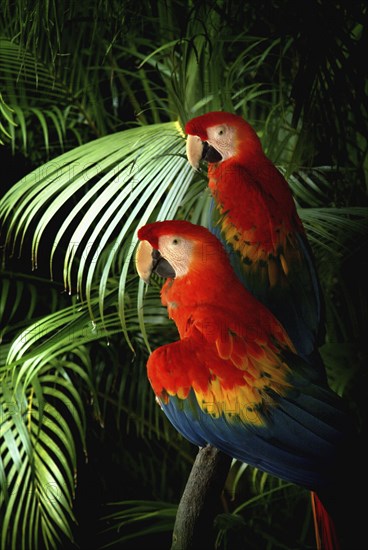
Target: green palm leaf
[
  {"x": 40, "y": 423},
  {"x": 35, "y": 97},
  {"x": 121, "y": 181},
  {"x": 152, "y": 517}
]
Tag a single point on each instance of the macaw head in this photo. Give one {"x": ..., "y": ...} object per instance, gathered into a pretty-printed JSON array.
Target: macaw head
[
  {"x": 174, "y": 248},
  {"x": 219, "y": 136}
]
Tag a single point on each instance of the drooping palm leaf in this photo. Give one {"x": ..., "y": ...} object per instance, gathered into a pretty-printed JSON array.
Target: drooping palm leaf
[
  {"x": 40, "y": 426},
  {"x": 152, "y": 517},
  {"x": 120, "y": 181},
  {"x": 36, "y": 99},
  {"x": 45, "y": 376}
]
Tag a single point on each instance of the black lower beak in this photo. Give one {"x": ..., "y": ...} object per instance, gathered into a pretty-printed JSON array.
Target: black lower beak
[
  {"x": 209, "y": 153},
  {"x": 161, "y": 266}
]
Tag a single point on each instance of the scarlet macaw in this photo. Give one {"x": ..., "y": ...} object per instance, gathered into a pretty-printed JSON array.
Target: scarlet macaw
[
  {"x": 234, "y": 379},
  {"x": 255, "y": 216}
]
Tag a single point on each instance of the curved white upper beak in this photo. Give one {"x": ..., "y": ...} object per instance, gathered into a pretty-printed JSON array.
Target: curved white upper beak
[
  {"x": 194, "y": 149},
  {"x": 143, "y": 261}
]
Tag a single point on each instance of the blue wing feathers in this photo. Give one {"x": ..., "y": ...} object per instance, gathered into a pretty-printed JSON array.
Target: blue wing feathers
[{"x": 297, "y": 443}]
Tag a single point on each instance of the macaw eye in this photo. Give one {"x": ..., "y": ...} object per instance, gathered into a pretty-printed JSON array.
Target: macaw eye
[
  {"x": 175, "y": 241},
  {"x": 221, "y": 131}
]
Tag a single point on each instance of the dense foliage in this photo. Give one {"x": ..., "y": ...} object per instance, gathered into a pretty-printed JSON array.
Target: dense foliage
[{"x": 93, "y": 98}]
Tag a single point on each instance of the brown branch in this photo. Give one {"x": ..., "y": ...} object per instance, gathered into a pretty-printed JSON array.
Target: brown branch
[{"x": 201, "y": 501}]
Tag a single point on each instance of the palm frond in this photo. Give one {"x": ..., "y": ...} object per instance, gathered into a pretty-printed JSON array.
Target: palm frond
[
  {"x": 35, "y": 97},
  {"x": 152, "y": 517},
  {"x": 41, "y": 420},
  {"x": 339, "y": 231},
  {"x": 107, "y": 187},
  {"x": 7, "y": 123},
  {"x": 46, "y": 375}
]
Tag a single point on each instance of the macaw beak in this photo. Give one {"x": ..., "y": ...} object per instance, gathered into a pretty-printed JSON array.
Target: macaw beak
[
  {"x": 148, "y": 260},
  {"x": 198, "y": 150}
]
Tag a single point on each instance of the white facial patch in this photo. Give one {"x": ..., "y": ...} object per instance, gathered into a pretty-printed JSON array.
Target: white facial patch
[
  {"x": 222, "y": 138},
  {"x": 177, "y": 251}
]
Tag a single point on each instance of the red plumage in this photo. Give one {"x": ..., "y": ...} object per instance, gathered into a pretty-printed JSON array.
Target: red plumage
[
  {"x": 234, "y": 380},
  {"x": 256, "y": 217}
]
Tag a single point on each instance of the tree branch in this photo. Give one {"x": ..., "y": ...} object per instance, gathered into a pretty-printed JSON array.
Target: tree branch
[{"x": 200, "y": 501}]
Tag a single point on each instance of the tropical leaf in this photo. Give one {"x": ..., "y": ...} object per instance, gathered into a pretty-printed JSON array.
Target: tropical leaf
[
  {"x": 340, "y": 231},
  {"x": 254, "y": 521},
  {"x": 6, "y": 120},
  {"x": 40, "y": 423},
  {"x": 21, "y": 301},
  {"x": 42, "y": 428},
  {"x": 45, "y": 378},
  {"x": 35, "y": 98},
  {"x": 56, "y": 85},
  {"x": 152, "y": 517},
  {"x": 107, "y": 187}
]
